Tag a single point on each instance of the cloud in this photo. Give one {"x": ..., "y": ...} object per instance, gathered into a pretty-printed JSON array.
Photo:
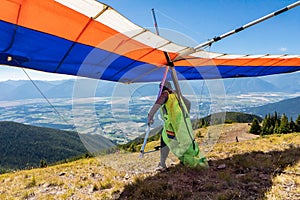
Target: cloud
[{"x": 283, "y": 49}]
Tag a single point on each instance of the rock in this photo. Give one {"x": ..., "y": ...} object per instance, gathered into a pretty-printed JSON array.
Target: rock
[
  {"x": 264, "y": 176},
  {"x": 239, "y": 175},
  {"x": 222, "y": 166},
  {"x": 46, "y": 185},
  {"x": 62, "y": 174},
  {"x": 127, "y": 176}
]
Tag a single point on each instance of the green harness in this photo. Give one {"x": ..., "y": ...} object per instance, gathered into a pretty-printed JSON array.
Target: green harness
[{"x": 178, "y": 134}]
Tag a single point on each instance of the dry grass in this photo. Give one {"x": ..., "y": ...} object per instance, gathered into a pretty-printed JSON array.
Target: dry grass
[{"x": 261, "y": 168}]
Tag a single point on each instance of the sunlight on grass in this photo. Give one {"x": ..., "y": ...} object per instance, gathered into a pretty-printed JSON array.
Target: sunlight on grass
[
  {"x": 287, "y": 184},
  {"x": 268, "y": 165}
]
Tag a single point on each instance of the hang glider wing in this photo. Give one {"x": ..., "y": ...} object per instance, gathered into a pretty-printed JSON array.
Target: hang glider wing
[{"x": 90, "y": 39}]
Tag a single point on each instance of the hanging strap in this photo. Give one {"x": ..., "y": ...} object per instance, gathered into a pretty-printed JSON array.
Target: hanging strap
[{"x": 163, "y": 81}]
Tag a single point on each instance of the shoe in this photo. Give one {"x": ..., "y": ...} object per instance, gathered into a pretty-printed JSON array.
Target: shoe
[{"x": 161, "y": 167}]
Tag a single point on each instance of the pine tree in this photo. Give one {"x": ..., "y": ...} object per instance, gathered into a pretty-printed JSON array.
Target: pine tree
[
  {"x": 284, "y": 124},
  {"x": 43, "y": 163},
  {"x": 267, "y": 127},
  {"x": 297, "y": 123},
  {"x": 276, "y": 128},
  {"x": 275, "y": 117},
  {"x": 255, "y": 127},
  {"x": 292, "y": 126}
]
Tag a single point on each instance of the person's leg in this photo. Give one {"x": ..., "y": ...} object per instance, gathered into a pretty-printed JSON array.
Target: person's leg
[{"x": 164, "y": 152}]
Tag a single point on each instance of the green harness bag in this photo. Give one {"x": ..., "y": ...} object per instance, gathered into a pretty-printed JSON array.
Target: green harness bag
[{"x": 178, "y": 134}]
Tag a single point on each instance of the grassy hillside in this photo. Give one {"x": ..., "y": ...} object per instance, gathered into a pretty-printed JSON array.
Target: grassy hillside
[
  {"x": 258, "y": 168},
  {"x": 23, "y": 146}
]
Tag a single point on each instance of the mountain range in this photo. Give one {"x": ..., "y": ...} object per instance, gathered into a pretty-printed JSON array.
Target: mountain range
[
  {"x": 25, "y": 89},
  {"x": 289, "y": 107}
]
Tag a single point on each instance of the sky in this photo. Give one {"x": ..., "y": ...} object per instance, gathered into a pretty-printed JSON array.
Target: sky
[{"x": 201, "y": 20}]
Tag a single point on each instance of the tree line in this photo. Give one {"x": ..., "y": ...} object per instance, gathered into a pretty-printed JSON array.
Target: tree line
[
  {"x": 275, "y": 124},
  {"x": 224, "y": 117}
]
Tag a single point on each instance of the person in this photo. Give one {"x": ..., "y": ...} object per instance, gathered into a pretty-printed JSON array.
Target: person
[{"x": 177, "y": 133}]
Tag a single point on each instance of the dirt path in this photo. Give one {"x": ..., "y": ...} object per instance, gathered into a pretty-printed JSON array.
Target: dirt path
[{"x": 226, "y": 133}]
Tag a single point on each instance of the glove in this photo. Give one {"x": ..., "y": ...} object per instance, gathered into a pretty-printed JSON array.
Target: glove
[
  {"x": 152, "y": 112},
  {"x": 150, "y": 120}
]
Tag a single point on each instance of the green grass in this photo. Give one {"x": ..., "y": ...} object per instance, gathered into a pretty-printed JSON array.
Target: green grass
[{"x": 262, "y": 168}]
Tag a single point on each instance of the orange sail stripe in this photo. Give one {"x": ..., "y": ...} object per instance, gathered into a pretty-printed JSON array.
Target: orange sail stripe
[
  {"x": 9, "y": 10},
  {"x": 54, "y": 18}
]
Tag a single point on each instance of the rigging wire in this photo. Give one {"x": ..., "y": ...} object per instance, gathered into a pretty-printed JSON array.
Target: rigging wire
[
  {"x": 48, "y": 101},
  {"x": 230, "y": 86},
  {"x": 178, "y": 22},
  {"x": 132, "y": 102},
  {"x": 132, "y": 92},
  {"x": 202, "y": 87}
]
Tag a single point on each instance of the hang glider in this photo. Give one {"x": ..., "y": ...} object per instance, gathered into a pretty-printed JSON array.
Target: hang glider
[{"x": 90, "y": 39}]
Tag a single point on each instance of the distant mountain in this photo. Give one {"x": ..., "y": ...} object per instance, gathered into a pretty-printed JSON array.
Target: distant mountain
[
  {"x": 248, "y": 85},
  {"x": 233, "y": 86},
  {"x": 290, "y": 107},
  {"x": 61, "y": 90},
  {"x": 24, "y": 89},
  {"x": 5, "y": 90},
  {"x": 28, "y": 90},
  {"x": 24, "y": 146},
  {"x": 285, "y": 82}
]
